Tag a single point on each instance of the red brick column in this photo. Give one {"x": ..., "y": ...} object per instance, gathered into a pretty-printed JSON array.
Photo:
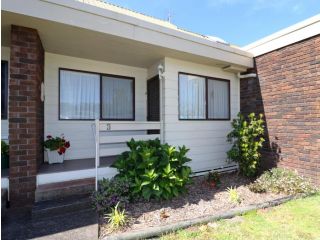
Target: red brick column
[
  {"x": 288, "y": 85},
  {"x": 25, "y": 113}
]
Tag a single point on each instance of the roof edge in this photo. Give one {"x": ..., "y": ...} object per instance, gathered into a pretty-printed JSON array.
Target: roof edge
[{"x": 295, "y": 33}]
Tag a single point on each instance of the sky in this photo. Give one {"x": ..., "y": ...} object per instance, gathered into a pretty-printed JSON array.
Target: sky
[{"x": 238, "y": 22}]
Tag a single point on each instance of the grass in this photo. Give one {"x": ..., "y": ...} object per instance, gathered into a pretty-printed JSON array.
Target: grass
[{"x": 297, "y": 219}]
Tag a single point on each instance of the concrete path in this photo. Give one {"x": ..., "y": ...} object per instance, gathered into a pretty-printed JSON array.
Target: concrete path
[{"x": 17, "y": 224}]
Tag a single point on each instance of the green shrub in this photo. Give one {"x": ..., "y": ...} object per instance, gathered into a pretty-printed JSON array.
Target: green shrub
[
  {"x": 110, "y": 193},
  {"x": 279, "y": 180},
  {"x": 234, "y": 196},
  {"x": 154, "y": 170},
  {"x": 4, "y": 155},
  {"x": 247, "y": 140},
  {"x": 117, "y": 218}
]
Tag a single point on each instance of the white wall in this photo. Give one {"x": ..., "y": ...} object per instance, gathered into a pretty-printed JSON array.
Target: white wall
[
  {"x": 5, "y": 55},
  {"x": 206, "y": 139},
  {"x": 80, "y": 133}
]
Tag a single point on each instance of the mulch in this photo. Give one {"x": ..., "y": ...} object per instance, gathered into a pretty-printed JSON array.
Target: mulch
[{"x": 200, "y": 200}]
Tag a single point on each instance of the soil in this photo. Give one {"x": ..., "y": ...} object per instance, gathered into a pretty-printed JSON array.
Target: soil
[{"x": 200, "y": 200}]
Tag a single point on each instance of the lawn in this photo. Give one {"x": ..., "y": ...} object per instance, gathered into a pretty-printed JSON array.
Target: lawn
[{"x": 298, "y": 219}]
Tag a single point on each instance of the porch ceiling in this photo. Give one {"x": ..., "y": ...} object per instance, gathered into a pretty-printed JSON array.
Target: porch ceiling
[{"x": 83, "y": 43}]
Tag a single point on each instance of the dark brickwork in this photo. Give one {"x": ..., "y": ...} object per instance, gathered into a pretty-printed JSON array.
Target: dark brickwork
[
  {"x": 287, "y": 91},
  {"x": 25, "y": 113}
]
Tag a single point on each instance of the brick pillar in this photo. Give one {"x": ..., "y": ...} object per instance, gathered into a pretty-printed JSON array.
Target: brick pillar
[{"x": 25, "y": 113}]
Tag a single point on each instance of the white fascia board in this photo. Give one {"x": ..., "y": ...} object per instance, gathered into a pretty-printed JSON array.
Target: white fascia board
[
  {"x": 295, "y": 33},
  {"x": 90, "y": 17}
]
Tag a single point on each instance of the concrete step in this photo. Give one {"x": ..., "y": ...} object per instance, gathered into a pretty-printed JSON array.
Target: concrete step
[
  {"x": 60, "y": 207},
  {"x": 60, "y": 190}
]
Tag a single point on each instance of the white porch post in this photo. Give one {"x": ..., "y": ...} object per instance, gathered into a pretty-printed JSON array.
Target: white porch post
[
  {"x": 97, "y": 160},
  {"x": 161, "y": 79}
]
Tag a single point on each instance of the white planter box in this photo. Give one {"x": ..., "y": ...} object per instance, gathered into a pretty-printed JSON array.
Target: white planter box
[{"x": 54, "y": 157}]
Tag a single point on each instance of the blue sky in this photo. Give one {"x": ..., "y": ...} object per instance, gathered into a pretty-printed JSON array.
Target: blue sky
[{"x": 239, "y": 22}]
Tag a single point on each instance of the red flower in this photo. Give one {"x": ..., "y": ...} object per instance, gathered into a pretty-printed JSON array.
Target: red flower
[
  {"x": 61, "y": 150},
  {"x": 67, "y": 144},
  {"x": 49, "y": 136}
]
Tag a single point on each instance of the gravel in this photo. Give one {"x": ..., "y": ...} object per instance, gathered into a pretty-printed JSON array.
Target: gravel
[{"x": 201, "y": 200}]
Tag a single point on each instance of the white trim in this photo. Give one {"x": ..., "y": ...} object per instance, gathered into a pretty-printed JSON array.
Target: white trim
[
  {"x": 104, "y": 172},
  {"x": 5, "y": 183},
  {"x": 295, "y": 33}
]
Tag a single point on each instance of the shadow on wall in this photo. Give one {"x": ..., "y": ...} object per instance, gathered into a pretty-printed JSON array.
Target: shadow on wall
[{"x": 251, "y": 101}]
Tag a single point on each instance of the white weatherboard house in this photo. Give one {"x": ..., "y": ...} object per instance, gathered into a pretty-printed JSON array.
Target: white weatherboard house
[{"x": 139, "y": 76}]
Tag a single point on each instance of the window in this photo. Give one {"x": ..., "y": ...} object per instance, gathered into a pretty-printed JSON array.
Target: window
[
  {"x": 4, "y": 90},
  {"x": 88, "y": 96},
  {"x": 218, "y": 99},
  {"x": 203, "y": 98},
  {"x": 117, "y": 98},
  {"x": 192, "y": 97}
]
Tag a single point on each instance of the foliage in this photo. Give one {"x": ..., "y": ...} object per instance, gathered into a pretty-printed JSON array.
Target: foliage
[
  {"x": 213, "y": 179},
  {"x": 247, "y": 140},
  {"x": 4, "y": 149},
  {"x": 297, "y": 219},
  {"x": 117, "y": 218},
  {"x": 279, "y": 180},
  {"x": 56, "y": 143},
  {"x": 234, "y": 196},
  {"x": 111, "y": 193},
  {"x": 154, "y": 170}
]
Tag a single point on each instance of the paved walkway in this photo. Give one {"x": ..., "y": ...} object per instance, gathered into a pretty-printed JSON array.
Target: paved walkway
[{"x": 17, "y": 224}]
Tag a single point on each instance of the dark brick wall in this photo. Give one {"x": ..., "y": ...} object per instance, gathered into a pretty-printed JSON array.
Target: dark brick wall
[
  {"x": 287, "y": 91},
  {"x": 25, "y": 113}
]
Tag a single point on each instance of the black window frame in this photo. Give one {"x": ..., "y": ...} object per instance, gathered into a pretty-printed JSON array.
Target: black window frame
[
  {"x": 100, "y": 90},
  {"x": 207, "y": 78},
  {"x": 5, "y": 81}
]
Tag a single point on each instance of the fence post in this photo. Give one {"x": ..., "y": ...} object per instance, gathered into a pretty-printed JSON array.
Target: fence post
[{"x": 97, "y": 160}]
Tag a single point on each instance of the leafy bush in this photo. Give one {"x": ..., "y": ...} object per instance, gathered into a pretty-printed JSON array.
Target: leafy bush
[
  {"x": 4, "y": 149},
  {"x": 4, "y": 155},
  {"x": 279, "y": 180},
  {"x": 234, "y": 196},
  {"x": 111, "y": 193},
  {"x": 247, "y": 140},
  {"x": 117, "y": 218},
  {"x": 154, "y": 170}
]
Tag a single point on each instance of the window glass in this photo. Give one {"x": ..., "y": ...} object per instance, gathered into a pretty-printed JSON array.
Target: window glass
[
  {"x": 117, "y": 98},
  {"x": 192, "y": 97},
  {"x": 218, "y": 99},
  {"x": 79, "y": 95}
]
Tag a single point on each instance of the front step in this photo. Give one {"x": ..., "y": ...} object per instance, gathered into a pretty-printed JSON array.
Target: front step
[
  {"x": 60, "y": 190},
  {"x": 57, "y": 207}
]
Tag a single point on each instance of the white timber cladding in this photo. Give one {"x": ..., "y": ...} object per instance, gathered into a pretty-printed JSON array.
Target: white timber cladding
[
  {"x": 5, "y": 55},
  {"x": 206, "y": 139},
  {"x": 81, "y": 133}
]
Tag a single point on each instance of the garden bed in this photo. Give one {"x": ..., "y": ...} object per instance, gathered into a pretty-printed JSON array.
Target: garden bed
[{"x": 200, "y": 200}]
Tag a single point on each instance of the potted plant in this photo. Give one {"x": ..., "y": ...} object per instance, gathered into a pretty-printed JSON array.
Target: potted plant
[{"x": 55, "y": 148}]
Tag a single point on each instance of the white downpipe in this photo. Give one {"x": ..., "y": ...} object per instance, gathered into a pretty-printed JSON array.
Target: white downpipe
[
  {"x": 161, "y": 79},
  {"x": 97, "y": 160},
  {"x": 249, "y": 75}
]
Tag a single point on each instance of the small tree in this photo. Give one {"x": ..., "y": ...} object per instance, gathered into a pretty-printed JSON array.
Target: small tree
[{"x": 247, "y": 140}]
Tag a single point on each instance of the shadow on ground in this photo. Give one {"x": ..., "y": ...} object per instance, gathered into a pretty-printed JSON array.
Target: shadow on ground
[{"x": 18, "y": 224}]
